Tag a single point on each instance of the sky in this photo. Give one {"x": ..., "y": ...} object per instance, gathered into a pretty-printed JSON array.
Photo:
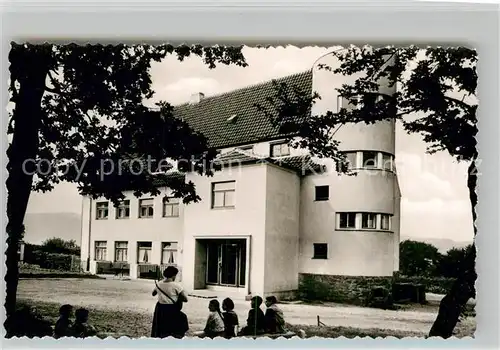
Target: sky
[{"x": 435, "y": 200}]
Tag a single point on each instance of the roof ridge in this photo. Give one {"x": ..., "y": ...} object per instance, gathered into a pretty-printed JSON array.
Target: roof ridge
[{"x": 247, "y": 87}]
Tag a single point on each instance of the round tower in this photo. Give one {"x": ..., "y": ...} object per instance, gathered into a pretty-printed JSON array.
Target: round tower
[{"x": 358, "y": 224}]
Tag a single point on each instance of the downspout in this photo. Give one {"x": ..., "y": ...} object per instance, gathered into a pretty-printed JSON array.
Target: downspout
[{"x": 90, "y": 230}]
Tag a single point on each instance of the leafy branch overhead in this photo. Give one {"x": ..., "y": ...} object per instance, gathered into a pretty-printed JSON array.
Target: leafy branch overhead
[
  {"x": 434, "y": 96},
  {"x": 92, "y": 113}
]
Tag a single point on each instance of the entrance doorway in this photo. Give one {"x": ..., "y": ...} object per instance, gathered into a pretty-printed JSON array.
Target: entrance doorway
[{"x": 226, "y": 259}]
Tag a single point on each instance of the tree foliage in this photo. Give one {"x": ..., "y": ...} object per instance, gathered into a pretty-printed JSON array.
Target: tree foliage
[
  {"x": 418, "y": 258},
  {"x": 92, "y": 114},
  {"x": 61, "y": 246}
]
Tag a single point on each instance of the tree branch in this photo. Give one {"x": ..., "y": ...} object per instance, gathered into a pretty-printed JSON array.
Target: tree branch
[{"x": 459, "y": 102}]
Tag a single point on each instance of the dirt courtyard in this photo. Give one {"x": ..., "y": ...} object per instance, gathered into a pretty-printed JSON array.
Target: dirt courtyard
[{"x": 135, "y": 295}]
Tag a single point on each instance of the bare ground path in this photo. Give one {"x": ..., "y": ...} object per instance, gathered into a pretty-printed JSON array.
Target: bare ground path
[{"x": 136, "y": 296}]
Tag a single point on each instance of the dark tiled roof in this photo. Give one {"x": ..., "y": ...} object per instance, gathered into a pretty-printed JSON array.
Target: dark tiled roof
[
  {"x": 210, "y": 115},
  {"x": 303, "y": 165},
  {"x": 160, "y": 180}
]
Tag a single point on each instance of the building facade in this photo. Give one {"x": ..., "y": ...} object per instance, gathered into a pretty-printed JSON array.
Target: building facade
[{"x": 272, "y": 212}]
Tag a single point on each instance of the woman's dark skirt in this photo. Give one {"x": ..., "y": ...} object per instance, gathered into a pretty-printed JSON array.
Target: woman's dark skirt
[{"x": 168, "y": 321}]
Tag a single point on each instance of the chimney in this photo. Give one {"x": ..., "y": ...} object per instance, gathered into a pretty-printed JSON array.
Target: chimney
[{"x": 197, "y": 97}]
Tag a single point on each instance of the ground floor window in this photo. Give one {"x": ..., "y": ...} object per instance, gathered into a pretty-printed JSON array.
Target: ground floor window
[
  {"x": 169, "y": 253},
  {"x": 121, "y": 251},
  {"x": 144, "y": 252},
  {"x": 100, "y": 250},
  {"x": 320, "y": 251}
]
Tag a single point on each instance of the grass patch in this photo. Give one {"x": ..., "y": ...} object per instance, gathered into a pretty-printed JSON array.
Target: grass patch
[{"x": 122, "y": 323}]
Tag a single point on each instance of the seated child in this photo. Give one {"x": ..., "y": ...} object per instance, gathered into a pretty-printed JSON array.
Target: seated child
[
  {"x": 81, "y": 329},
  {"x": 275, "y": 322},
  {"x": 215, "y": 321},
  {"x": 256, "y": 321},
  {"x": 230, "y": 318},
  {"x": 64, "y": 324}
]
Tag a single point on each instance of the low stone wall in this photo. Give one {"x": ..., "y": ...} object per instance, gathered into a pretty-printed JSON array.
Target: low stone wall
[
  {"x": 437, "y": 285},
  {"x": 340, "y": 289},
  {"x": 355, "y": 290}
]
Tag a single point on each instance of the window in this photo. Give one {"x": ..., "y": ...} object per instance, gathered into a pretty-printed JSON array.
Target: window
[
  {"x": 386, "y": 161},
  {"x": 322, "y": 193},
  {"x": 100, "y": 250},
  {"x": 246, "y": 148},
  {"x": 280, "y": 149},
  {"x": 169, "y": 253},
  {"x": 102, "y": 210},
  {"x": 343, "y": 102},
  {"x": 223, "y": 194},
  {"x": 347, "y": 220},
  {"x": 369, "y": 221},
  {"x": 123, "y": 209},
  {"x": 121, "y": 251},
  {"x": 351, "y": 160},
  {"x": 144, "y": 252},
  {"x": 370, "y": 159},
  {"x": 320, "y": 251},
  {"x": 170, "y": 207},
  {"x": 385, "y": 223},
  {"x": 146, "y": 208}
]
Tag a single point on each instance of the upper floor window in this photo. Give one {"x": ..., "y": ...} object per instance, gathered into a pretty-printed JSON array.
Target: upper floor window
[
  {"x": 102, "y": 210},
  {"x": 100, "y": 250},
  {"x": 370, "y": 159},
  {"x": 320, "y": 251},
  {"x": 369, "y": 221},
  {"x": 280, "y": 149},
  {"x": 322, "y": 193},
  {"x": 387, "y": 161},
  {"x": 169, "y": 253},
  {"x": 385, "y": 222},
  {"x": 146, "y": 208},
  {"x": 347, "y": 220},
  {"x": 144, "y": 252},
  {"x": 123, "y": 209},
  {"x": 351, "y": 159},
  {"x": 223, "y": 194},
  {"x": 170, "y": 207},
  {"x": 121, "y": 251},
  {"x": 363, "y": 221}
]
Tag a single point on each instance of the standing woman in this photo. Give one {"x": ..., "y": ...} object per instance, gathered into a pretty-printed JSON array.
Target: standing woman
[{"x": 168, "y": 319}]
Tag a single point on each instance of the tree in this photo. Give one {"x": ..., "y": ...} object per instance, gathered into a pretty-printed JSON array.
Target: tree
[
  {"x": 78, "y": 111},
  {"x": 61, "y": 246},
  {"x": 417, "y": 258},
  {"x": 435, "y": 98},
  {"x": 450, "y": 263}
]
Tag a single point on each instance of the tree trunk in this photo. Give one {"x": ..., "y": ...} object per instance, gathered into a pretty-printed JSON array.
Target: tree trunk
[
  {"x": 464, "y": 286},
  {"x": 29, "y": 66}
]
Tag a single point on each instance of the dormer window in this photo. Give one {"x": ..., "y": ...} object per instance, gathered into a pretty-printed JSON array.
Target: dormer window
[
  {"x": 280, "y": 149},
  {"x": 246, "y": 148}
]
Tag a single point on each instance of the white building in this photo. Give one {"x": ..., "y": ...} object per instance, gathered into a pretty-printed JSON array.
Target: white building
[{"x": 270, "y": 215}]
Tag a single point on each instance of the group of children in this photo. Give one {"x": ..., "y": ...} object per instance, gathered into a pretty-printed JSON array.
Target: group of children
[
  {"x": 80, "y": 328},
  {"x": 225, "y": 324}
]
